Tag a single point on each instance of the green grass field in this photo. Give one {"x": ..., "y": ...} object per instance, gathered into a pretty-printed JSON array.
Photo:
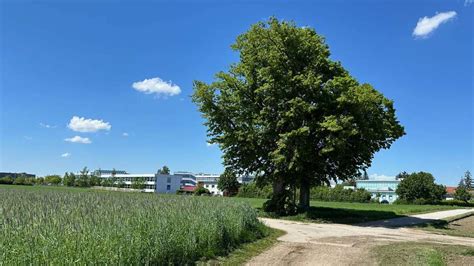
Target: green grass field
[
  {"x": 54, "y": 225},
  {"x": 350, "y": 213}
]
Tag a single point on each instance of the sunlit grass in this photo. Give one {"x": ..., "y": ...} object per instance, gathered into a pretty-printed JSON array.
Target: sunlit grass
[{"x": 51, "y": 226}]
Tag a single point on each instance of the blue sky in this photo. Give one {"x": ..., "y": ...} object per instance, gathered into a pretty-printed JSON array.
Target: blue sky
[{"x": 81, "y": 59}]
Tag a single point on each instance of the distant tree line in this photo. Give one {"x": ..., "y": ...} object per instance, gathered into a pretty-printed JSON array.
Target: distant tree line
[{"x": 84, "y": 178}]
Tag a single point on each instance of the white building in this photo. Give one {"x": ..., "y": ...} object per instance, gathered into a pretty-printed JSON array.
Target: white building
[
  {"x": 381, "y": 189},
  {"x": 127, "y": 179},
  {"x": 209, "y": 181},
  {"x": 160, "y": 183}
]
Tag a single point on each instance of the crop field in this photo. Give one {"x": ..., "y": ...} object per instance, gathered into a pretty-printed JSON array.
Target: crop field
[{"x": 45, "y": 226}]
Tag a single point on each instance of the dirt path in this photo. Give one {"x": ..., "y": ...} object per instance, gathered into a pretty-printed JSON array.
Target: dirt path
[{"x": 338, "y": 244}]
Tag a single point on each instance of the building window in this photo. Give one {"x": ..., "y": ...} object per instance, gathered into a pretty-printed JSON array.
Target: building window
[
  {"x": 168, "y": 187},
  {"x": 212, "y": 186},
  {"x": 168, "y": 180}
]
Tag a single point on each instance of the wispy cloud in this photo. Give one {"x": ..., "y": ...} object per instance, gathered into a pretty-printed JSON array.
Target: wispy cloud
[
  {"x": 381, "y": 177},
  {"x": 81, "y": 124},
  {"x": 426, "y": 25},
  {"x": 468, "y": 2},
  {"x": 47, "y": 126},
  {"x": 157, "y": 86},
  {"x": 125, "y": 134},
  {"x": 79, "y": 139},
  {"x": 28, "y": 137},
  {"x": 66, "y": 155},
  {"x": 210, "y": 144}
]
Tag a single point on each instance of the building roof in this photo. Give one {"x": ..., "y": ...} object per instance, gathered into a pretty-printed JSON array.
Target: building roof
[
  {"x": 188, "y": 188},
  {"x": 450, "y": 190},
  {"x": 377, "y": 180},
  {"x": 130, "y": 175}
]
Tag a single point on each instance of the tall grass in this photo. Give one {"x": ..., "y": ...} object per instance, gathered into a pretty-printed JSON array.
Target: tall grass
[{"x": 61, "y": 227}]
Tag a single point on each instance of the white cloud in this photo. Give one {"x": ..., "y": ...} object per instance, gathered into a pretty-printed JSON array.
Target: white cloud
[
  {"x": 210, "y": 144},
  {"x": 47, "y": 126},
  {"x": 125, "y": 134},
  {"x": 427, "y": 25},
  {"x": 81, "y": 124},
  {"x": 157, "y": 86},
  {"x": 66, "y": 155},
  {"x": 79, "y": 139},
  {"x": 381, "y": 177}
]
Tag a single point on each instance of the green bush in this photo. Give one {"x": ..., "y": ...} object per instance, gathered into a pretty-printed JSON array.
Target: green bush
[
  {"x": 251, "y": 190},
  {"x": 6, "y": 180},
  {"x": 22, "y": 181},
  {"x": 456, "y": 203},
  {"x": 61, "y": 227},
  {"x": 338, "y": 193},
  {"x": 201, "y": 191}
]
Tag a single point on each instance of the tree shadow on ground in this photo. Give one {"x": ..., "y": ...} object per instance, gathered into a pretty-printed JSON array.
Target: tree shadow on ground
[{"x": 338, "y": 215}]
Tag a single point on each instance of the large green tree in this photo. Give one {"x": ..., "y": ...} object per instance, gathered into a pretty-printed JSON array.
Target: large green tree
[
  {"x": 291, "y": 115},
  {"x": 420, "y": 188}
]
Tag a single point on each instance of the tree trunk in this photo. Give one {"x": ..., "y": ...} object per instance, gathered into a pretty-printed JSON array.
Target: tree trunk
[
  {"x": 277, "y": 202},
  {"x": 278, "y": 186},
  {"x": 304, "y": 195}
]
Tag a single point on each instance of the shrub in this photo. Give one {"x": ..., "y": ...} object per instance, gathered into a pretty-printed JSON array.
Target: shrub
[
  {"x": 19, "y": 181},
  {"x": 87, "y": 228},
  {"x": 457, "y": 203},
  {"x": 338, "y": 193},
  {"x": 52, "y": 179},
  {"x": 201, "y": 191},
  {"x": 251, "y": 190},
  {"x": 7, "y": 180}
]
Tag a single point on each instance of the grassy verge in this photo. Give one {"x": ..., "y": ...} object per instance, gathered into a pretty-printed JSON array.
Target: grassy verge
[
  {"x": 248, "y": 250},
  {"x": 423, "y": 254},
  {"x": 350, "y": 213},
  {"x": 462, "y": 225}
]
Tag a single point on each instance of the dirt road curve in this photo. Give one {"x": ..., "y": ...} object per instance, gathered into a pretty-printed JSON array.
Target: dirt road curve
[{"x": 338, "y": 244}]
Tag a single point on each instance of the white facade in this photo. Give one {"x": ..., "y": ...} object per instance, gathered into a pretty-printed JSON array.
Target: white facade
[
  {"x": 127, "y": 179},
  {"x": 160, "y": 183},
  {"x": 384, "y": 190},
  {"x": 209, "y": 181}
]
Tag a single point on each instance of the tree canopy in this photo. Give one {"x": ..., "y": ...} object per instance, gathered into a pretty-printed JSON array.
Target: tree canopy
[
  {"x": 164, "y": 170},
  {"x": 468, "y": 180},
  {"x": 462, "y": 194},
  {"x": 228, "y": 183},
  {"x": 420, "y": 188},
  {"x": 292, "y": 116}
]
